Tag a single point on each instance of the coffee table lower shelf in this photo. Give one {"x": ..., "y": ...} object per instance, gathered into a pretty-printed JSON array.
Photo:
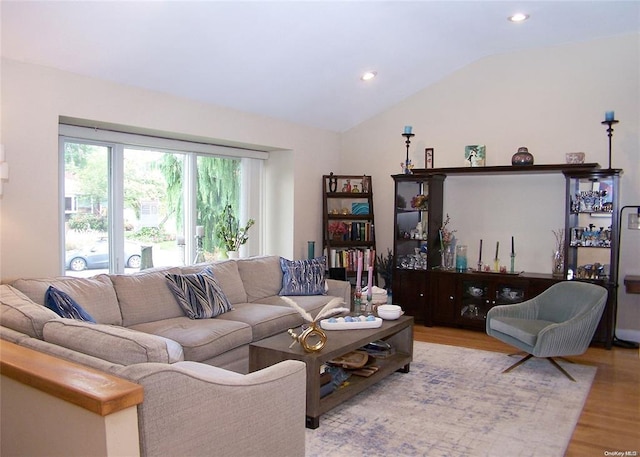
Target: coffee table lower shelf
[
  {"x": 356, "y": 384},
  {"x": 275, "y": 349}
]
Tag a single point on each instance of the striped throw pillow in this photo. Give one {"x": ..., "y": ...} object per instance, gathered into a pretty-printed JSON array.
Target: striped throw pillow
[
  {"x": 303, "y": 277},
  {"x": 199, "y": 294},
  {"x": 65, "y": 306}
]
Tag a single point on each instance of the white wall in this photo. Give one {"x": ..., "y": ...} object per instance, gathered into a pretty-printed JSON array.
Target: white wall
[
  {"x": 34, "y": 97},
  {"x": 550, "y": 100}
]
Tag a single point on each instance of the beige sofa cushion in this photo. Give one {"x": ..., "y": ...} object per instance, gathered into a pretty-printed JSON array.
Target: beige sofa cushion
[
  {"x": 265, "y": 320},
  {"x": 201, "y": 339},
  {"x": 146, "y": 297},
  {"x": 19, "y": 313},
  {"x": 115, "y": 344},
  {"x": 96, "y": 295},
  {"x": 261, "y": 276},
  {"x": 227, "y": 275}
]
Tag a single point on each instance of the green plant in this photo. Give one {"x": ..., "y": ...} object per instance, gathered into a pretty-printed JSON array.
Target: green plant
[
  {"x": 384, "y": 267},
  {"x": 83, "y": 222},
  {"x": 229, "y": 230}
]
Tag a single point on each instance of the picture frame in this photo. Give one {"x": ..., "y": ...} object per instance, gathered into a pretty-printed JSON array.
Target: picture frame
[
  {"x": 475, "y": 155},
  {"x": 428, "y": 158}
]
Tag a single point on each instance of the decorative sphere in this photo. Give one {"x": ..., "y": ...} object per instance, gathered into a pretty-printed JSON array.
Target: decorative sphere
[
  {"x": 522, "y": 157},
  {"x": 371, "y": 318}
]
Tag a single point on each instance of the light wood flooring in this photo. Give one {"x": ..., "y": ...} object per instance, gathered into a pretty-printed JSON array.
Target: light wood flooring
[{"x": 610, "y": 420}]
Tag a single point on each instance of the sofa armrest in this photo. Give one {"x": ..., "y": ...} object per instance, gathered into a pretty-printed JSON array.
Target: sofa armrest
[
  {"x": 194, "y": 409},
  {"x": 342, "y": 289}
]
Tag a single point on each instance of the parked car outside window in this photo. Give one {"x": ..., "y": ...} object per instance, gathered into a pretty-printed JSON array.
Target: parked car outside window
[{"x": 97, "y": 256}]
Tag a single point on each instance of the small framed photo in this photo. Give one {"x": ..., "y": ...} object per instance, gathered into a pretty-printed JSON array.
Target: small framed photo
[
  {"x": 428, "y": 158},
  {"x": 475, "y": 155}
]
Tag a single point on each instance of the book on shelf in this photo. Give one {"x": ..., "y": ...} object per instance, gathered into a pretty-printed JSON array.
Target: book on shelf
[{"x": 348, "y": 258}]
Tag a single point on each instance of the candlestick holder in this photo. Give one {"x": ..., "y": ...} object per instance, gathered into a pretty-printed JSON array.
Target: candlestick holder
[
  {"x": 609, "y": 125},
  {"x": 513, "y": 263},
  {"x": 496, "y": 265},
  {"x": 357, "y": 300},
  {"x": 407, "y": 162},
  {"x": 199, "y": 250}
]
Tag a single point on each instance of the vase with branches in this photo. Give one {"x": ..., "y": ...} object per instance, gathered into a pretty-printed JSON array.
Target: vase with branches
[
  {"x": 230, "y": 231},
  {"x": 557, "y": 261}
]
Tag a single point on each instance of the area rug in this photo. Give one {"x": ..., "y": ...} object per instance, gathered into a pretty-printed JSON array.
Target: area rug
[{"x": 456, "y": 402}]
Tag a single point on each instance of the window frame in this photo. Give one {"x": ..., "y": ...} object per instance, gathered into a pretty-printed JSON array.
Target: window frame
[{"x": 251, "y": 185}]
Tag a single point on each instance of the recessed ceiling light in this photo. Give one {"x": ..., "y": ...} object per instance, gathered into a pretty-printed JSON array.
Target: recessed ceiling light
[
  {"x": 369, "y": 75},
  {"x": 519, "y": 17}
]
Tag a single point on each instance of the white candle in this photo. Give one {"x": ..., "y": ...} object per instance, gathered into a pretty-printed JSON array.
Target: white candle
[
  {"x": 370, "y": 281},
  {"x": 359, "y": 274},
  {"x": 199, "y": 230}
]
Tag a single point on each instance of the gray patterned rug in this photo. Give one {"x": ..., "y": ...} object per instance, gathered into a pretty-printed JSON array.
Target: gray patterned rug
[{"x": 456, "y": 402}]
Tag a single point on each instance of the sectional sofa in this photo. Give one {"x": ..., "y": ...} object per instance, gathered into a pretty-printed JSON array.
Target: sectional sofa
[{"x": 199, "y": 397}]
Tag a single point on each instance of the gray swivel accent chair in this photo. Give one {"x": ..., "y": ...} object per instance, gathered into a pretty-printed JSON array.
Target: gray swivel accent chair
[{"x": 559, "y": 322}]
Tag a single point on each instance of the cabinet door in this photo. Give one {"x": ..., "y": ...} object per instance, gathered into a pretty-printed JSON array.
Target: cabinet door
[
  {"x": 476, "y": 298},
  {"x": 508, "y": 292},
  {"x": 410, "y": 292},
  {"x": 443, "y": 297},
  {"x": 479, "y": 295}
]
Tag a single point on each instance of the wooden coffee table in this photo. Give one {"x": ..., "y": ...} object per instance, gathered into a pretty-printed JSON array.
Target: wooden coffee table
[{"x": 398, "y": 333}]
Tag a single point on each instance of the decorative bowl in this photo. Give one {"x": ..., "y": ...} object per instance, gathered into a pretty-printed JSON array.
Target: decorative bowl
[
  {"x": 389, "y": 312},
  {"x": 575, "y": 157},
  {"x": 475, "y": 291}
]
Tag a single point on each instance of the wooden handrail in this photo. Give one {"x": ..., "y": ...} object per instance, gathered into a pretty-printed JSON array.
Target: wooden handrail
[{"x": 83, "y": 386}]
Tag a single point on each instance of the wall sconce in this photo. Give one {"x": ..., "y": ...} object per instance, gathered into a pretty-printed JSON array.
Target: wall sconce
[{"x": 4, "y": 168}]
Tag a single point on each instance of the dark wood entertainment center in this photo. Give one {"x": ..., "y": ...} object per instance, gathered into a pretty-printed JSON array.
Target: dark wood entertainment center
[{"x": 461, "y": 299}]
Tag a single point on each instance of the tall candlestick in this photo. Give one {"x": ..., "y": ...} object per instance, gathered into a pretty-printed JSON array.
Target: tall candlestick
[
  {"x": 497, "y": 249},
  {"x": 359, "y": 273},
  {"x": 513, "y": 251},
  {"x": 480, "y": 254},
  {"x": 369, "y": 291}
]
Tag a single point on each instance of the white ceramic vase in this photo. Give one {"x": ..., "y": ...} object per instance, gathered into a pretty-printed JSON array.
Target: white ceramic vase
[{"x": 232, "y": 254}]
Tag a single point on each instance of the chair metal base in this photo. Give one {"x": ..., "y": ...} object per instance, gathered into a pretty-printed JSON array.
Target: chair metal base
[{"x": 550, "y": 359}]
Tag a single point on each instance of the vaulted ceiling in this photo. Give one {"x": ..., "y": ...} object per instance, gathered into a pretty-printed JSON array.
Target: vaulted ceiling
[{"x": 299, "y": 61}]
